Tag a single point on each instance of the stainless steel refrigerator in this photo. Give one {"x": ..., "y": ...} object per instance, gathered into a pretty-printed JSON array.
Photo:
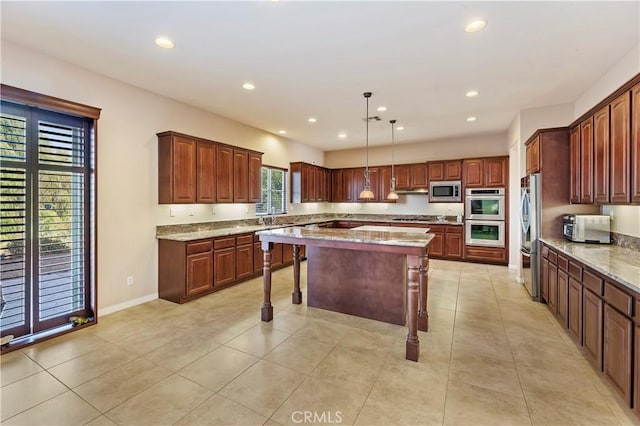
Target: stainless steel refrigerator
[{"x": 530, "y": 213}]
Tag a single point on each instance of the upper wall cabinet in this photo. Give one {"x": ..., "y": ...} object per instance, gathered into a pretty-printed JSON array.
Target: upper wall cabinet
[
  {"x": 574, "y": 165},
  {"x": 177, "y": 159},
  {"x": 309, "y": 183},
  {"x": 444, "y": 170},
  {"x": 601, "y": 156},
  {"x": 635, "y": 144},
  {"x": 533, "y": 156},
  {"x": 489, "y": 172},
  {"x": 411, "y": 176},
  {"x": 195, "y": 170},
  {"x": 620, "y": 147}
]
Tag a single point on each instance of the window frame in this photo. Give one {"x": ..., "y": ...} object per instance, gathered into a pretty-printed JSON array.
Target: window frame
[{"x": 269, "y": 190}]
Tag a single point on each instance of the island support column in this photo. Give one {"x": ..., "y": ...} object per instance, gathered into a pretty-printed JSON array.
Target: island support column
[
  {"x": 413, "y": 278},
  {"x": 423, "y": 313},
  {"x": 267, "y": 308},
  {"x": 296, "y": 296}
]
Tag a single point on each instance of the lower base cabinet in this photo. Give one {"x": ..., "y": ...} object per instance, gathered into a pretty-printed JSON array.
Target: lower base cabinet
[
  {"x": 592, "y": 307},
  {"x": 199, "y": 273},
  {"x": 617, "y": 351},
  {"x": 244, "y": 256},
  {"x": 563, "y": 296},
  {"x": 486, "y": 254},
  {"x": 553, "y": 288},
  {"x": 544, "y": 279},
  {"x": 454, "y": 242},
  {"x": 574, "y": 314},
  {"x": 224, "y": 261}
]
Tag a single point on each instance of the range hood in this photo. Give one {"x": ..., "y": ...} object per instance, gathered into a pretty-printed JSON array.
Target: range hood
[{"x": 419, "y": 191}]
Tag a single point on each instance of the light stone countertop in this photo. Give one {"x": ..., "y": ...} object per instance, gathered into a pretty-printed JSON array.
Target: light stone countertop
[
  {"x": 395, "y": 238},
  {"x": 618, "y": 263}
]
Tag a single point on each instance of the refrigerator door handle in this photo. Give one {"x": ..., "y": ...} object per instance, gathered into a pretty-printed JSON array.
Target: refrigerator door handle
[{"x": 525, "y": 211}]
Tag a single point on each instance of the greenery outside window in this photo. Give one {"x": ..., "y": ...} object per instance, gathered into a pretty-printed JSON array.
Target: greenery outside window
[{"x": 273, "y": 191}]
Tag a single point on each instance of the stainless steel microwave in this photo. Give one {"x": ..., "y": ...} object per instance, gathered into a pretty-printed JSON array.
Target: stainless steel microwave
[{"x": 445, "y": 191}]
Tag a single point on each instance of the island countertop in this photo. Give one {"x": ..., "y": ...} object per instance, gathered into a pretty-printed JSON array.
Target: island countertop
[{"x": 394, "y": 238}]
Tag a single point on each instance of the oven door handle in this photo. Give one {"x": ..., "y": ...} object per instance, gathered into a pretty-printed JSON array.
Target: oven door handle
[{"x": 525, "y": 253}]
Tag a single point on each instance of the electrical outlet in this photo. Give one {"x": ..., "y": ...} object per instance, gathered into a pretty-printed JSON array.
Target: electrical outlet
[
  {"x": 172, "y": 211},
  {"x": 246, "y": 210},
  {"x": 191, "y": 211},
  {"x": 130, "y": 280},
  {"x": 213, "y": 210}
]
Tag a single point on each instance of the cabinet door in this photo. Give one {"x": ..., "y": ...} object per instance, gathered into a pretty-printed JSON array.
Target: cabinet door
[
  {"x": 575, "y": 308},
  {"x": 327, "y": 184},
  {"x": 287, "y": 254},
  {"x": 553, "y": 288},
  {"x": 574, "y": 166},
  {"x": 336, "y": 186},
  {"x": 563, "y": 296},
  {"x": 384, "y": 186},
  {"x": 635, "y": 144},
  {"x": 199, "y": 273},
  {"x": 403, "y": 173},
  {"x": 357, "y": 183},
  {"x": 586, "y": 161},
  {"x": 620, "y": 141},
  {"x": 436, "y": 171},
  {"x": 601, "y": 156},
  {"x": 419, "y": 176},
  {"x": 496, "y": 172},
  {"x": 347, "y": 185},
  {"x": 436, "y": 248},
  {"x": 276, "y": 255},
  {"x": 244, "y": 261},
  {"x": 206, "y": 172},
  {"x": 592, "y": 326},
  {"x": 374, "y": 177},
  {"x": 184, "y": 170},
  {"x": 240, "y": 176},
  {"x": 533, "y": 156},
  {"x": 224, "y": 269},
  {"x": 453, "y": 242},
  {"x": 453, "y": 170},
  {"x": 617, "y": 351},
  {"x": 473, "y": 173},
  {"x": 636, "y": 370},
  {"x": 258, "y": 257},
  {"x": 544, "y": 279},
  {"x": 224, "y": 174},
  {"x": 255, "y": 177}
]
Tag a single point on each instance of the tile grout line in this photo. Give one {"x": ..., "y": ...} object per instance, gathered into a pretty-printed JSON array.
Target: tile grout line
[{"x": 453, "y": 331}]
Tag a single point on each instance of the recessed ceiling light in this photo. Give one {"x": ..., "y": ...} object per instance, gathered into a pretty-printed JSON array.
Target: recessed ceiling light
[
  {"x": 342, "y": 135},
  {"x": 472, "y": 93},
  {"x": 475, "y": 25},
  {"x": 472, "y": 118},
  {"x": 382, "y": 108},
  {"x": 312, "y": 120},
  {"x": 401, "y": 128},
  {"x": 165, "y": 43},
  {"x": 282, "y": 132},
  {"x": 248, "y": 86}
]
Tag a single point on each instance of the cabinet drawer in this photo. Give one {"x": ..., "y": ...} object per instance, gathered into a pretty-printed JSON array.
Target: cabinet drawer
[
  {"x": 618, "y": 299},
  {"x": 545, "y": 252},
  {"x": 199, "y": 247},
  {"x": 563, "y": 263},
  {"x": 244, "y": 239},
  {"x": 224, "y": 243},
  {"x": 592, "y": 282},
  {"x": 453, "y": 229},
  {"x": 553, "y": 257},
  {"x": 575, "y": 270}
]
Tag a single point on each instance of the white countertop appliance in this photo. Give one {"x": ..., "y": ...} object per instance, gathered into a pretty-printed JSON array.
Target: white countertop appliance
[{"x": 587, "y": 228}]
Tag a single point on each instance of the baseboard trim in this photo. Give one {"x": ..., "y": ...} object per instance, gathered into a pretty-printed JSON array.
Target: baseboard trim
[{"x": 129, "y": 303}]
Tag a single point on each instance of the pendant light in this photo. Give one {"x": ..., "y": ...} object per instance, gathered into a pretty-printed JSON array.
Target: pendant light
[
  {"x": 392, "y": 195},
  {"x": 366, "y": 193}
]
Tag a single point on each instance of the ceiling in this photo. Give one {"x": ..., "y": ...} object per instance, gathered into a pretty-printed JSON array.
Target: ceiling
[{"x": 317, "y": 58}]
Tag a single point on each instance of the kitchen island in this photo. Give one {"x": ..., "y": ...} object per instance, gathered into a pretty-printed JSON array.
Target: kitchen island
[{"x": 338, "y": 259}]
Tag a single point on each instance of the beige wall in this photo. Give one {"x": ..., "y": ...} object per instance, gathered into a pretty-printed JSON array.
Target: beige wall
[
  {"x": 626, "y": 219},
  {"x": 128, "y": 209}
]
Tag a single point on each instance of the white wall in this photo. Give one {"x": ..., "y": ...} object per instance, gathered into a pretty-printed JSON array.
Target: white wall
[
  {"x": 515, "y": 147},
  {"x": 128, "y": 209},
  {"x": 626, "y": 219}
]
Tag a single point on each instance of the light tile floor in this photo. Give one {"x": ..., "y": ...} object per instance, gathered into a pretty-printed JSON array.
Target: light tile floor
[{"x": 491, "y": 357}]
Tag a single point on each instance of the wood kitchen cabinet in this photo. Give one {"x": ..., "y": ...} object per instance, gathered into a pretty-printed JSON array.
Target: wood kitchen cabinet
[
  {"x": 240, "y": 176},
  {"x": 552, "y": 302},
  {"x": 185, "y": 269},
  {"x": 311, "y": 183},
  {"x": 403, "y": 176},
  {"x": 620, "y": 147},
  {"x": 436, "y": 248},
  {"x": 444, "y": 170},
  {"x": 635, "y": 144},
  {"x": 575, "y": 171},
  {"x": 199, "y": 267},
  {"x": 489, "y": 172},
  {"x": 224, "y": 174},
  {"x": 205, "y": 172},
  {"x": 177, "y": 163},
  {"x": 454, "y": 242},
  {"x": 563, "y": 296},
  {"x": 418, "y": 174},
  {"x": 533, "y": 156},
  {"x": 224, "y": 261},
  {"x": 384, "y": 187},
  {"x": 601, "y": 156},
  {"x": 574, "y": 315},
  {"x": 544, "y": 279},
  {"x": 617, "y": 351},
  {"x": 244, "y": 256},
  {"x": 592, "y": 317},
  {"x": 586, "y": 161},
  {"x": 255, "y": 177}
]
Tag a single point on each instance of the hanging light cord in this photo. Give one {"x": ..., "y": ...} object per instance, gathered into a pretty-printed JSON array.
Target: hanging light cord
[{"x": 392, "y": 148}]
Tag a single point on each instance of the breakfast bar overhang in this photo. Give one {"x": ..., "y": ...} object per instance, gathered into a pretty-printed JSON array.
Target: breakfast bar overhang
[{"x": 411, "y": 246}]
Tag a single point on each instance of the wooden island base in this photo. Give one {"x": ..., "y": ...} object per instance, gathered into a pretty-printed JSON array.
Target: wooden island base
[{"x": 382, "y": 277}]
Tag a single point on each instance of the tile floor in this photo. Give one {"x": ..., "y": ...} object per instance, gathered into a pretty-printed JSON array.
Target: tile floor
[{"x": 491, "y": 357}]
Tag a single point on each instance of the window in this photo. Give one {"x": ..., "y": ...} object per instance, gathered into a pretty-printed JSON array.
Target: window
[
  {"x": 273, "y": 191},
  {"x": 47, "y": 197}
]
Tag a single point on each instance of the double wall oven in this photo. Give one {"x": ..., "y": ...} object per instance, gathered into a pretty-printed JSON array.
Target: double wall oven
[{"x": 484, "y": 217}]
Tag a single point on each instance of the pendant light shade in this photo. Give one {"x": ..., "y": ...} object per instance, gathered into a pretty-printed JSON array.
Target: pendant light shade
[
  {"x": 366, "y": 193},
  {"x": 392, "y": 194}
]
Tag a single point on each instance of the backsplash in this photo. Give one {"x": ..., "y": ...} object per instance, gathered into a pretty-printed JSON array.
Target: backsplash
[{"x": 626, "y": 241}]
